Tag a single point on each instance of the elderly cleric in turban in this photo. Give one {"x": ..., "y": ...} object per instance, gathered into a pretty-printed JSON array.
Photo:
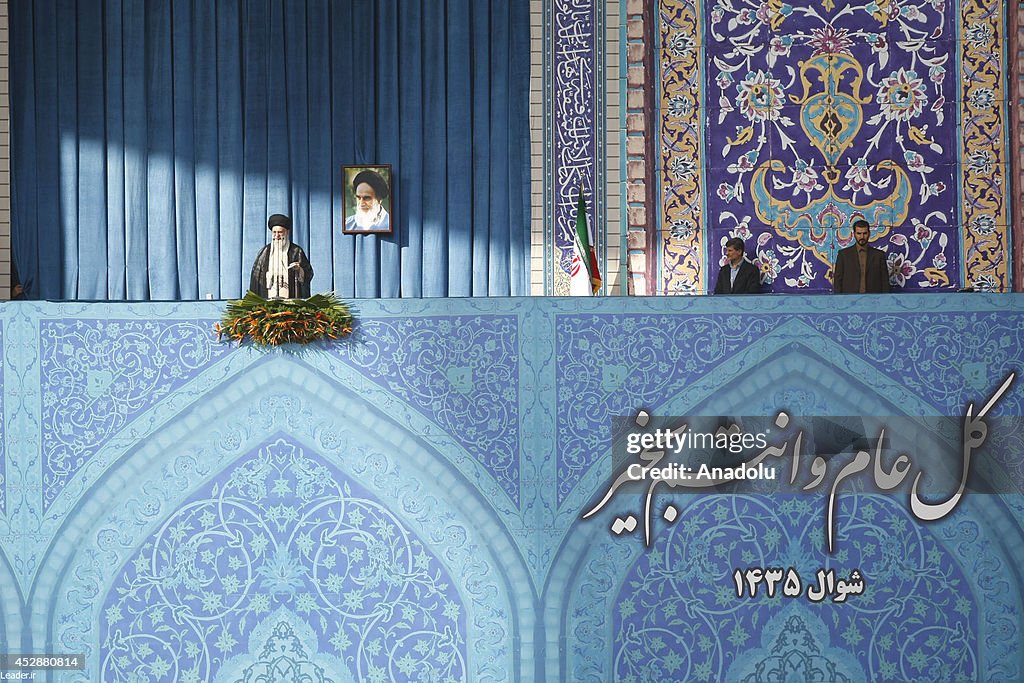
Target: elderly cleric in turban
[
  {"x": 281, "y": 269},
  {"x": 369, "y": 189}
]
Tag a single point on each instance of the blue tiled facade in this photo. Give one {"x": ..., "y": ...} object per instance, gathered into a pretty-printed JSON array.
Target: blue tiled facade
[{"x": 408, "y": 505}]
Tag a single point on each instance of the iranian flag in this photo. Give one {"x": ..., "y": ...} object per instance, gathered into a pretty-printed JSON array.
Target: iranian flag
[{"x": 584, "y": 275}]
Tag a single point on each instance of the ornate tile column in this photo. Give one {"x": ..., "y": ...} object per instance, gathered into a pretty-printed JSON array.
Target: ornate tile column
[
  {"x": 1016, "y": 59},
  {"x": 641, "y": 215}
]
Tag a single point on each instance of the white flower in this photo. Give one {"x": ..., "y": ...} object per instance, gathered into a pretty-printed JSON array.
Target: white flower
[{"x": 901, "y": 95}]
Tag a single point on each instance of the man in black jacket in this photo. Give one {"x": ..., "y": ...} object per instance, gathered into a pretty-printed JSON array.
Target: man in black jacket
[
  {"x": 738, "y": 276},
  {"x": 860, "y": 269},
  {"x": 281, "y": 269}
]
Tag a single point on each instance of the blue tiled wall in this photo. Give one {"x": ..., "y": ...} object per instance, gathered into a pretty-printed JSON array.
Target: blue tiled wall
[{"x": 407, "y": 505}]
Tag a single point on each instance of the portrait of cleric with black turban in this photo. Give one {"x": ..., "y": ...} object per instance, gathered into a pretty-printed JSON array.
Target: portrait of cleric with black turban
[{"x": 368, "y": 199}]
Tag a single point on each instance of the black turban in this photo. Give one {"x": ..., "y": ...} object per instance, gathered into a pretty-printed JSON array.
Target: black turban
[
  {"x": 373, "y": 179},
  {"x": 279, "y": 219}
]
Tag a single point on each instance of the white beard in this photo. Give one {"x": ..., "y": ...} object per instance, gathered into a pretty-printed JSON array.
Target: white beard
[
  {"x": 367, "y": 220},
  {"x": 277, "y": 269}
]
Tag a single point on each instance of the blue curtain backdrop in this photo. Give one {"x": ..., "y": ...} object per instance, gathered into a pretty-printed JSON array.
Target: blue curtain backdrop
[{"x": 151, "y": 140}]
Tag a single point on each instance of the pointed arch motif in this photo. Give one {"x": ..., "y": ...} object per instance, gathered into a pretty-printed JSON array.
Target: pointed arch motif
[
  {"x": 354, "y": 441},
  {"x": 281, "y": 529}
]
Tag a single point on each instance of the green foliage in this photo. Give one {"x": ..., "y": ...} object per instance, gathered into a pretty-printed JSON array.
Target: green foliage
[{"x": 285, "y": 321}]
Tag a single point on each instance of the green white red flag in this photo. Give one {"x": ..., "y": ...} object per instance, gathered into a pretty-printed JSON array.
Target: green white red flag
[{"x": 584, "y": 275}]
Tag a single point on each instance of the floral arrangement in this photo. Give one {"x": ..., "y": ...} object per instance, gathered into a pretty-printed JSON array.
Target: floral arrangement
[{"x": 285, "y": 321}]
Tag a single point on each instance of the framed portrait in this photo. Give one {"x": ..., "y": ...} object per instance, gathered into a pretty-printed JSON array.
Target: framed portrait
[{"x": 369, "y": 199}]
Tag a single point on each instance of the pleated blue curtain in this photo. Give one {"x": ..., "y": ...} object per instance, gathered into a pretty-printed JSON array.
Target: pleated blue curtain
[{"x": 152, "y": 138}]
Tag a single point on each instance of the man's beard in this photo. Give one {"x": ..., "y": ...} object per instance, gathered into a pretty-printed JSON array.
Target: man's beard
[
  {"x": 278, "y": 246},
  {"x": 369, "y": 218},
  {"x": 277, "y": 266}
]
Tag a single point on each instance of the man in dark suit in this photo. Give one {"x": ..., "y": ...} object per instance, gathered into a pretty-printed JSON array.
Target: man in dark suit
[
  {"x": 738, "y": 276},
  {"x": 860, "y": 269}
]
